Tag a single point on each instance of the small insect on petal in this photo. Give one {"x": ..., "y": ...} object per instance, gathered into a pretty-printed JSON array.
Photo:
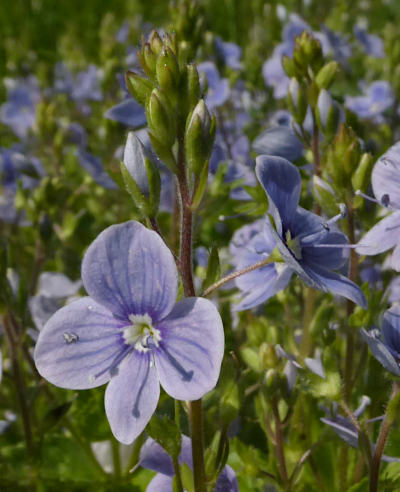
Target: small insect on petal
[{"x": 70, "y": 337}]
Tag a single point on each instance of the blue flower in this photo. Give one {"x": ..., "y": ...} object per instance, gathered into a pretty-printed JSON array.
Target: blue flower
[
  {"x": 377, "y": 98},
  {"x": 386, "y": 186},
  {"x": 308, "y": 245},
  {"x": 229, "y": 52},
  {"x": 84, "y": 87},
  {"x": 153, "y": 457},
  {"x": 385, "y": 345},
  {"x": 19, "y": 111},
  {"x": 94, "y": 167},
  {"x": 130, "y": 332},
  {"x": 279, "y": 140},
  {"x": 218, "y": 89},
  {"x": 370, "y": 43}
]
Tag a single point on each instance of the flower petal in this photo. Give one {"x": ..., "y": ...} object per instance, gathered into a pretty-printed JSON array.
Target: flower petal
[
  {"x": 280, "y": 141},
  {"x": 190, "y": 353},
  {"x": 380, "y": 352},
  {"x": 227, "y": 481},
  {"x": 128, "y": 112},
  {"x": 160, "y": 483},
  {"x": 337, "y": 284},
  {"x": 277, "y": 279},
  {"x": 79, "y": 341},
  {"x": 383, "y": 236},
  {"x": 386, "y": 176},
  {"x": 130, "y": 270},
  {"x": 132, "y": 396},
  {"x": 282, "y": 184},
  {"x": 154, "y": 457}
]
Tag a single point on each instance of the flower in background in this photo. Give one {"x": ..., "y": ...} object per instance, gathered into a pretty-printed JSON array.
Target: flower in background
[
  {"x": 377, "y": 98},
  {"x": 229, "y": 52},
  {"x": 386, "y": 186},
  {"x": 217, "y": 88},
  {"x": 54, "y": 289},
  {"x": 309, "y": 246},
  {"x": 94, "y": 167},
  {"x": 154, "y": 457},
  {"x": 370, "y": 43},
  {"x": 19, "y": 111},
  {"x": 385, "y": 344},
  {"x": 130, "y": 332}
]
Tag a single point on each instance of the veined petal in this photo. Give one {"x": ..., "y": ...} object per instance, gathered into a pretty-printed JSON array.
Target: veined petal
[
  {"x": 337, "y": 284},
  {"x": 273, "y": 283},
  {"x": 385, "y": 176},
  {"x": 79, "y": 341},
  {"x": 189, "y": 357},
  {"x": 130, "y": 270},
  {"x": 282, "y": 184},
  {"x": 380, "y": 352},
  {"x": 383, "y": 236},
  {"x": 132, "y": 396},
  {"x": 160, "y": 483}
]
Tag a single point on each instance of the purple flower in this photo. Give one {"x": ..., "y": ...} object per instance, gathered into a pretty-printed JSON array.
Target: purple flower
[
  {"x": 370, "y": 43},
  {"x": 94, "y": 167},
  {"x": 229, "y": 52},
  {"x": 153, "y": 457},
  {"x": 130, "y": 332},
  {"x": 19, "y": 111},
  {"x": 386, "y": 186},
  {"x": 385, "y": 345},
  {"x": 218, "y": 89},
  {"x": 377, "y": 98},
  {"x": 308, "y": 245}
]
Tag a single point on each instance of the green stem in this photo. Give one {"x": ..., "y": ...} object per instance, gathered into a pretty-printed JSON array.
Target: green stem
[
  {"x": 185, "y": 263},
  {"x": 308, "y": 314},
  {"x": 177, "y": 414},
  {"x": 177, "y": 470},
  {"x": 380, "y": 446},
  {"x": 280, "y": 453}
]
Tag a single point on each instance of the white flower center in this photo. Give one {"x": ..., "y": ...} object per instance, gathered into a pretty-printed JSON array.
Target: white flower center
[
  {"x": 294, "y": 245},
  {"x": 141, "y": 334}
]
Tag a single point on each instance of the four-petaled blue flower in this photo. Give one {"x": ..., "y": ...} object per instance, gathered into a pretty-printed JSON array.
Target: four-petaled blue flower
[
  {"x": 130, "y": 332},
  {"x": 386, "y": 186},
  {"x": 385, "y": 346},
  {"x": 154, "y": 457},
  {"x": 309, "y": 246}
]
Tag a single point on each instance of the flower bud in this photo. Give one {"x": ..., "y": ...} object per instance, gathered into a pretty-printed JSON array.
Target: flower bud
[
  {"x": 160, "y": 117},
  {"x": 325, "y": 196},
  {"x": 139, "y": 87},
  {"x": 148, "y": 60},
  {"x": 199, "y": 137},
  {"x": 327, "y": 113},
  {"x": 361, "y": 176},
  {"x": 155, "y": 42},
  {"x": 297, "y": 101},
  {"x": 326, "y": 75},
  {"x": 167, "y": 72}
]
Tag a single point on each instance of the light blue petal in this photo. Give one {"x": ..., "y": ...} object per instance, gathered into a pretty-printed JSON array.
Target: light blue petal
[
  {"x": 189, "y": 357},
  {"x": 381, "y": 353},
  {"x": 383, "y": 236},
  {"x": 130, "y": 270},
  {"x": 128, "y": 112},
  {"x": 80, "y": 341},
  {"x": 279, "y": 141},
  {"x": 132, "y": 396}
]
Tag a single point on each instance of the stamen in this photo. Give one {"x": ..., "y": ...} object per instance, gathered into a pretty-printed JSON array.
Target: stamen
[
  {"x": 186, "y": 375},
  {"x": 341, "y": 215},
  {"x": 385, "y": 200}
]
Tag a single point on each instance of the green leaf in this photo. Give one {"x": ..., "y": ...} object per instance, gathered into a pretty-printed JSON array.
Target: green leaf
[
  {"x": 166, "y": 433},
  {"x": 213, "y": 269}
]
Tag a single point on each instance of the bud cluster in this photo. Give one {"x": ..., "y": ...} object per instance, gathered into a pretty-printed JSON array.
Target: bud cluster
[{"x": 181, "y": 128}]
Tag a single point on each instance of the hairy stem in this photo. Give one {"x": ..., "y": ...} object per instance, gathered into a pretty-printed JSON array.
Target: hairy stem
[
  {"x": 380, "y": 446},
  {"x": 185, "y": 264}
]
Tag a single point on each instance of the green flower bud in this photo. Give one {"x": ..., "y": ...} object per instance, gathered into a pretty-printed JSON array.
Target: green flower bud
[
  {"x": 326, "y": 75},
  {"x": 139, "y": 87},
  {"x": 199, "y": 137},
  {"x": 193, "y": 84},
  {"x": 267, "y": 354},
  {"x": 297, "y": 101},
  {"x": 325, "y": 196},
  {"x": 361, "y": 176},
  {"x": 327, "y": 113},
  {"x": 289, "y": 66},
  {"x": 161, "y": 118},
  {"x": 155, "y": 42},
  {"x": 148, "y": 60},
  {"x": 167, "y": 73}
]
